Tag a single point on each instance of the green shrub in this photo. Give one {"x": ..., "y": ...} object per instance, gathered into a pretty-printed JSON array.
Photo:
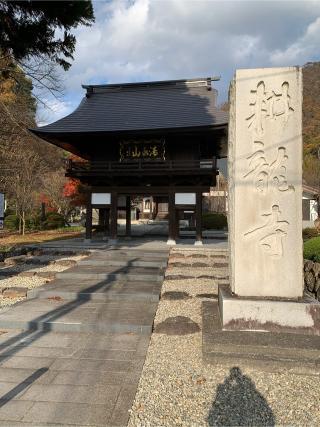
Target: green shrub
[
  {"x": 9, "y": 211},
  {"x": 33, "y": 223},
  {"x": 54, "y": 220},
  {"x": 311, "y": 249},
  {"x": 308, "y": 233},
  {"x": 11, "y": 222},
  {"x": 214, "y": 221}
]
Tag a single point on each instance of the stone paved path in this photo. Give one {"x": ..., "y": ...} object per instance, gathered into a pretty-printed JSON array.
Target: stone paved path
[{"x": 72, "y": 354}]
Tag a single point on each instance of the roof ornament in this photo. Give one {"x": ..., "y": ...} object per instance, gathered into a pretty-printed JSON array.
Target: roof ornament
[{"x": 89, "y": 91}]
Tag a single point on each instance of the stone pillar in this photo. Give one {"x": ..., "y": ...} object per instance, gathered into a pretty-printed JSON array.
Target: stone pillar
[
  {"x": 114, "y": 218},
  {"x": 128, "y": 216},
  {"x": 89, "y": 219},
  {"x": 265, "y": 180},
  {"x": 172, "y": 219},
  {"x": 265, "y": 186},
  {"x": 198, "y": 241}
]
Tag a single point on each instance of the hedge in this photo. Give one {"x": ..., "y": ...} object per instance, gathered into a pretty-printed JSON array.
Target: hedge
[
  {"x": 214, "y": 221},
  {"x": 11, "y": 222},
  {"x": 309, "y": 232},
  {"x": 54, "y": 220},
  {"x": 311, "y": 249}
]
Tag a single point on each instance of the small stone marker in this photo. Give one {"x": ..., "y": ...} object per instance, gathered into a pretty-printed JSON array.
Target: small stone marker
[
  {"x": 14, "y": 260},
  {"x": 179, "y": 325},
  {"x": 65, "y": 262},
  {"x": 175, "y": 295},
  {"x": 49, "y": 275},
  {"x": 15, "y": 292}
]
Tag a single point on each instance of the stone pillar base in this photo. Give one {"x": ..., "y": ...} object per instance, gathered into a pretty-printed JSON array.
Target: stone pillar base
[
  {"x": 293, "y": 316},
  {"x": 171, "y": 242},
  {"x": 198, "y": 243}
]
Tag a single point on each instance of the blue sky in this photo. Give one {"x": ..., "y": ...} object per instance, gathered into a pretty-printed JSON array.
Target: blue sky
[{"x": 138, "y": 40}]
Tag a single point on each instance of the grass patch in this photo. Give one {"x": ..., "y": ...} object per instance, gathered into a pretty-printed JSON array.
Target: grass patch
[
  {"x": 311, "y": 249},
  {"x": 13, "y": 239}
]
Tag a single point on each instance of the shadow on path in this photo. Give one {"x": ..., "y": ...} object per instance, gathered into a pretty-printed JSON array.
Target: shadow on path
[
  {"x": 239, "y": 403},
  {"x": 22, "y": 386},
  {"x": 13, "y": 345}
]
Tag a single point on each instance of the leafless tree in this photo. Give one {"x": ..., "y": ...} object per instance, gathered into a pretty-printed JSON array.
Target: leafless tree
[{"x": 25, "y": 169}]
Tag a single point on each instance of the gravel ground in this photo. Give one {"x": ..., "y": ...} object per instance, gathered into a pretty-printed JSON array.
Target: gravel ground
[
  {"x": 24, "y": 282},
  {"x": 192, "y": 286},
  {"x": 196, "y": 272},
  {"x": 6, "y": 302},
  {"x": 44, "y": 264},
  {"x": 177, "y": 389},
  {"x": 31, "y": 282}
]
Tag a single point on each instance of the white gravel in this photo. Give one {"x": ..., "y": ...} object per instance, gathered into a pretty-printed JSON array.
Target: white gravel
[
  {"x": 178, "y": 389},
  {"x": 31, "y": 282},
  {"x": 24, "y": 282},
  {"x": 192, "y": 286}
]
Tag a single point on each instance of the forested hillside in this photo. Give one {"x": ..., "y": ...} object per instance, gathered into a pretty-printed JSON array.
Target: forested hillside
[
  {"x": 311, "y": 123},
  {"x": 311, "y": 107}
]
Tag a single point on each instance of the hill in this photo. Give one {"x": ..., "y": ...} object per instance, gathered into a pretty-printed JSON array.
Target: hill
[{"x": 311, "y": 107}]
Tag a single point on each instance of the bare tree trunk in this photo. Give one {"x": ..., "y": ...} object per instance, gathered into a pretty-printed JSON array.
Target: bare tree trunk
[{"x": 23, "y": 223}]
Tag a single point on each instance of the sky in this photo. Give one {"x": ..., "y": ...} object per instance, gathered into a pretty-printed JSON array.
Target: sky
[{"x": 142, "y": 40}]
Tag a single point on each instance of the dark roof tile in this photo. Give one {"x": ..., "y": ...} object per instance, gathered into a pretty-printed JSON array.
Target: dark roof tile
[{"x": 136, "y": 107}]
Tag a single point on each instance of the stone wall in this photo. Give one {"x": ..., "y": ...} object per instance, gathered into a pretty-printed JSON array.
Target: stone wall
[{"x": 312, "y": 278}]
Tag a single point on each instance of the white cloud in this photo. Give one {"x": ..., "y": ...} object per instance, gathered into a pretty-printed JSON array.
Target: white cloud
[
  {"x": 164, "y": 39},
  {"x": 55, "y": 109},
  {"x": 304, "y": 49}
]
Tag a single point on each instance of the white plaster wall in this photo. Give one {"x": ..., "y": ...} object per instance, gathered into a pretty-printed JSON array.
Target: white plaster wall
[{"x": 265, "y": 188}]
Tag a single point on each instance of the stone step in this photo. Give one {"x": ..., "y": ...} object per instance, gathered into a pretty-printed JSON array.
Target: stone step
[
  {"x": 88, "y": 272},
  {"x": 142, "y": 254},
  {"x": 80, "y": 316},
  {"x": 125, "y": 262},
  {"x": 91, "y": 290}
]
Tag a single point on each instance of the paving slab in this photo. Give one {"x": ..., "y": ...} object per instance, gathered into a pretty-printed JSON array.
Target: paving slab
[
  {"x": 104, "y": 290},
  {"x": 105, "y": 272},
  {"x": 72, "y": 354}
]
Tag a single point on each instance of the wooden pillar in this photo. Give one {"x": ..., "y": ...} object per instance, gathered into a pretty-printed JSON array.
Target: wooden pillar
[
  {"x": 114, "y": 217},
  {"x": 172, "y": 219},
  {"x": 198, "y": 218},
  {"x": 151, "y": 208},
  {"x": 107, "y": 220},
  {"x": 101, "y": 220},
  {"x": 89, "y": 219},
  {"x": 128, "y": 216}
]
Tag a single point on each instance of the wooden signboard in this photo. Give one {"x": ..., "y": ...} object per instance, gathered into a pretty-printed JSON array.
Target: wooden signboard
[{"x": 151, "y": 149}]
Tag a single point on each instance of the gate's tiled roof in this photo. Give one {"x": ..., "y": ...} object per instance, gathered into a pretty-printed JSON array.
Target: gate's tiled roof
[{"x": 142, "y": 106}]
